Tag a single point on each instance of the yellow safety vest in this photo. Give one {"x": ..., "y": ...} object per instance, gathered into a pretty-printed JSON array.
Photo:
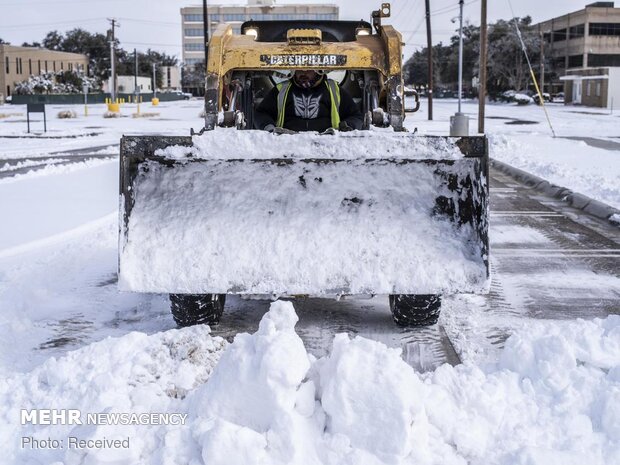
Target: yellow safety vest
[{"x": 334, "y": 95}]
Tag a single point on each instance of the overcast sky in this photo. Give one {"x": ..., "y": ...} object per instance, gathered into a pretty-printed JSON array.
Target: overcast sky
[{"x": 157, "y": 23}]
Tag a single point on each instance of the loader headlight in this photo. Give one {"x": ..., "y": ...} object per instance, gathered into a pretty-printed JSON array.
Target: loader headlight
[
  {"x": 251, "y": 31},
  {"x": 363, "y": 32}
]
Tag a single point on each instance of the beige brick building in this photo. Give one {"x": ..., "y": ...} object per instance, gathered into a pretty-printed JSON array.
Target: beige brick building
[{"x": 18, "y": 63}]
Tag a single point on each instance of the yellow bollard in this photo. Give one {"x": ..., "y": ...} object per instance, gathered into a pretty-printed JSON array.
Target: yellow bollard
[
  {"x": 155, "y": 101},
  {"x": 114, "y": 107}
]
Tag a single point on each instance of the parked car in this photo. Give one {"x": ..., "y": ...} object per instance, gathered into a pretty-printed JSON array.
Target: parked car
[
  {"x": 559, "y": 97},
  {"x": 183, "y": 95},
  {"x": 546, "y": 97},
  {"x": 523, "y": 99},
  {"x": 507, "y": 96}
]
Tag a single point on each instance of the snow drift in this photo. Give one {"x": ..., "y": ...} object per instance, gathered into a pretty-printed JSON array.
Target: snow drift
[{"x": 553, "y": 398}]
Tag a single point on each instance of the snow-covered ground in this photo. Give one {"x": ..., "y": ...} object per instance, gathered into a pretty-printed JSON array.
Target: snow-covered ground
[{"x": 551, "y": 395}]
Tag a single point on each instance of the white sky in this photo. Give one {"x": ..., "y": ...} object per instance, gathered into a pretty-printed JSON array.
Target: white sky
[{"x": 157, "y": 23}]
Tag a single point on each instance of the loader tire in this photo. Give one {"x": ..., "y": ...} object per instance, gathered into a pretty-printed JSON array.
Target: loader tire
[
  {"x": 415, "y": 309},
  {"x": 196, "y": 309}
]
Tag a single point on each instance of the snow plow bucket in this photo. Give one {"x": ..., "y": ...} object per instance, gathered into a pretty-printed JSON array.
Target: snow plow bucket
[{"x": 248, "y": 212}]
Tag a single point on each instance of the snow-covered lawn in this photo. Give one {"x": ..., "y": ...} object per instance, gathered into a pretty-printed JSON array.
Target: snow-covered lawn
[{"x": 551, "y": 396}]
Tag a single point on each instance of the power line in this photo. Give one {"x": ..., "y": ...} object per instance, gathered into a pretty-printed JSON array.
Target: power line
[{"x": 72, "y": 22}]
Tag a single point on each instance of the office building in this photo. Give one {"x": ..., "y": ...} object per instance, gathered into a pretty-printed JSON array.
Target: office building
[{"x": 583, "y": 49}]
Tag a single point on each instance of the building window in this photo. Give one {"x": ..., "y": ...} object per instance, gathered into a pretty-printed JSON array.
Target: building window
[
  {"x": 193, "y": 18},
  {"x": 604, "y": 59},
  {"x": 558, "y": 35},
  {"x": 46, "y": 66},
  {"x": 235, "y": 17},
  {"x": 588, "y": 88},
  {"x": 39, "y": 66},
  {"x": 7, "y": 65},
  {"x": 604, "y": 29},
  {"x": 194, "y": 32},
  {"x": 30, "y": 66},
  {"x": 576, "y": 32},
  {"x": 598, "y": 89},
  {"x": 54, "y": 65},
  {"x": 575, "y": 61},
  {"x": 194, "y": 47},
  {"x": 194, "y": 61}
]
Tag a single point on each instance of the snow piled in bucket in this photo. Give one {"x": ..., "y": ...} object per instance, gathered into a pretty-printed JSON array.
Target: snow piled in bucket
[
  {"x": 223, "y": 144},
  {"x": 553, "y": 398},
  {"x": 303, "y": 228}
]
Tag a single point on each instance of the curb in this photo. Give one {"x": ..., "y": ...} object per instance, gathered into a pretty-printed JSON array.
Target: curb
[{"x": 574, "y": 199}]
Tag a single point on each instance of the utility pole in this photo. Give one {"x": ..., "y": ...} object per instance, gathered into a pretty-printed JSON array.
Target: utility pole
[
  {"x": 429, "y": 46},
  {"x": 542, "y": 60},
  {"x": 136, "y": 89},
  {"x": 482, "y": 89},
  {"x": 114, "y": 23},
  {"x": 154, "y": 80},
  {"x": 460, "y": 86},
  {"x": 135, "y": 72},
  {"x": 205, "y": 21}
]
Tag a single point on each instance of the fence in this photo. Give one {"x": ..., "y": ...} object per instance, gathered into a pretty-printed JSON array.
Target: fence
[{"x": 73, "y": 99}]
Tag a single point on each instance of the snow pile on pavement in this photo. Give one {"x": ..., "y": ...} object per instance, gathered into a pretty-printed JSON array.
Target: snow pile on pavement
[
  {"x": 230, "y": 143},
  {"x": 568, "y": 163},
  {"x": 553, "y": 398},
  {"x": 305, "y": 228}
]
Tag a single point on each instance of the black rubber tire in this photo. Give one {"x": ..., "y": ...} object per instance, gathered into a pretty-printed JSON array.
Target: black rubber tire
[
  {"x": 414, "y": 309},
  {"x": 196, "y": 309}
]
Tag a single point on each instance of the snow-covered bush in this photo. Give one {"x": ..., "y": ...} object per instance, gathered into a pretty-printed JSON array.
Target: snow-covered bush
[
  {"x": 144, "y": 115},
  {"x": 67, "y": 114},
  {"x": 111, "y": 114},
  {"x": 523, "y": 99},
  {"x": 61, "y": 82}
]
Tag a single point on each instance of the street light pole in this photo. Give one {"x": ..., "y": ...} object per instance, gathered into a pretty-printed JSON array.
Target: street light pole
[{"x": 459, "y": 123}]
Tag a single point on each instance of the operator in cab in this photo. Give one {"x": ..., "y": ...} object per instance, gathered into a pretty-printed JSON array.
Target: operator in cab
[{"x": 309, "y": 101}]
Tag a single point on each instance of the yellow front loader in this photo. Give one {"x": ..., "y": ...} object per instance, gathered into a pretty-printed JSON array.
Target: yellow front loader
[{"x": 234, "y": 210}]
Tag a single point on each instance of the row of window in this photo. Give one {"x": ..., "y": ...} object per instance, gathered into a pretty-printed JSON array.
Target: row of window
[
  {"x": 594, "y": 60},
  {"x": 260, "y": 17},
  {"x": 597, "y": 87},
  {"x": 199, "y": 32},
  {"x": 196, "y": 47},
  {"x": 575, "y": 32},
  {"x": 604, "y": 29},
  {"x": 603, "y": 59},
  {"x": 19, "y": 66}
]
